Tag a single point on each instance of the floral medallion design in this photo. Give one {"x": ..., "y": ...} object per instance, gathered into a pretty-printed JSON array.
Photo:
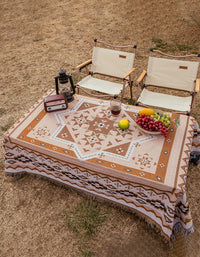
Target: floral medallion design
[
  {"x": 41, "y": 132},
  {"x": 144, "y": 161}
]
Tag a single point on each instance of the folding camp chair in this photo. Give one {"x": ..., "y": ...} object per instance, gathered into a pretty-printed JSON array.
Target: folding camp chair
[
  {"x": 109, "y": 63},
  {"x": 172, "y": 74}
]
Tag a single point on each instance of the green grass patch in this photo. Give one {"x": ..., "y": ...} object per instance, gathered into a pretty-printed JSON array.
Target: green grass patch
[
  {"x": 7, "y": 125},
  {"x": 166, "y": 47},
  {"x": 1, "y": 164},
  {"x": 85, "y": 219},
  {"x": 2, "y": 111},
  {"x": 182, "y": 47},
  {"x": 131, "y": 101},
  {"x": 86, "y": 253},
  {"x": 162, "y": 45},
  {"x": 193, "y": 21},
  {"x": 195, "y": 115}
]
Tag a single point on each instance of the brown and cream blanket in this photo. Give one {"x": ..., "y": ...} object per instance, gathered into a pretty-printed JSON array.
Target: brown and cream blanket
[{"x": 83, "y": 147}]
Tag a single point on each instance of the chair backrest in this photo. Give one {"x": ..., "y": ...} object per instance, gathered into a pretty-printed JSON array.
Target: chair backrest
[
  {"x": 170, "y": 73},
  {"x": 111, "y": 62}
]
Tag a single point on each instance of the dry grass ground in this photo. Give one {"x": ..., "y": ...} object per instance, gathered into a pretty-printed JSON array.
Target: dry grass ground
[{"x": 39, "y": 37}]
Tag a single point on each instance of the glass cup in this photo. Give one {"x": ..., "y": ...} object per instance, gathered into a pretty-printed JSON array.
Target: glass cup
[{"x": 115, "y": 107}]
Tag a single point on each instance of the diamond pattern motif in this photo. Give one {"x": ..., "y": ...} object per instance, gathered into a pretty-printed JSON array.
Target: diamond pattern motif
[{"x": 93, "y": 129}]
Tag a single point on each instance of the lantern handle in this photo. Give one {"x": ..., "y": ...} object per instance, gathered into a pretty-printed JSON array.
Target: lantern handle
[
  {"x": 56, "y": 82},
  {"x": 72, "y": 84}
]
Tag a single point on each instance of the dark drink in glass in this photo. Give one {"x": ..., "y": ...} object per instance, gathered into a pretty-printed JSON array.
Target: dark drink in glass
[
  {"x": 115, "y": 111},
  {"x": 115, "y": 107}
]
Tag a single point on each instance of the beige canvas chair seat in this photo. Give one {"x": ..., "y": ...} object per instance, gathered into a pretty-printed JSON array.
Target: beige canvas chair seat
[
  {"x": 110, "y": 63},
  {"x": 171, "y": 102},
  {"x": 99, "y": 85},
  {"x": 179, "y": 75}
]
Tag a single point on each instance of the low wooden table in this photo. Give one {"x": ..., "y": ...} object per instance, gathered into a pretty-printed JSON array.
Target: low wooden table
[{"x": 83, "y": 147}]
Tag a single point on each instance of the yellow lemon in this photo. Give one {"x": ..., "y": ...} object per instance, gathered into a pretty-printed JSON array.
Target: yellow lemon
[
  {"x": 147, "y": 111},
  {"x": 123, "y": 124}
]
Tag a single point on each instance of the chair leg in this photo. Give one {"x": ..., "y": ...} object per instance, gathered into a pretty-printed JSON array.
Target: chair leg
[
  {"x": 138, "y": 91},
  {"x": 122, "y": 95},
  {"x": 79, "y": 78},
  {"x": 193, "y": 103},
  {"x": 122, "y": 92},
  {"x": 131, "y": 89}
]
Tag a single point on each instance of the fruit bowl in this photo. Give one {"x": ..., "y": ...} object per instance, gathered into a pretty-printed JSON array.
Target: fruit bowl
[
  {"x": 147, "y": 131},
  {"x": 155, "y": 124}
]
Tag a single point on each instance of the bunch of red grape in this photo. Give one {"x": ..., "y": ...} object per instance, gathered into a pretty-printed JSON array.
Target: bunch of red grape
[{"x": 147, "y": 123}]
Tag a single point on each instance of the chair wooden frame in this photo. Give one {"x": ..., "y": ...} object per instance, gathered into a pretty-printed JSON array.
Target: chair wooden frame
[
  {"x": 125, "y": 79},
  {"x": 142, "y": 85}
]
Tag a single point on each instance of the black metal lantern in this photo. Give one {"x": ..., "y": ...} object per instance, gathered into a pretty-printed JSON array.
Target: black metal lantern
[{"x": 69, "y": 90}]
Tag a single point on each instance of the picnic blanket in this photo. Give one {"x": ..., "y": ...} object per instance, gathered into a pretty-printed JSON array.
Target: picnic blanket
[{"x": 83, "y": 147}]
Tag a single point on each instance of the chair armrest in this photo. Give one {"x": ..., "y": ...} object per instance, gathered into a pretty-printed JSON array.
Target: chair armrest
[
  {"x": 84, "y": 64},
  {"x": 141, "y": 77},
  {"x": 197, "y": 87},
  {"x": 128, "y": 73}
]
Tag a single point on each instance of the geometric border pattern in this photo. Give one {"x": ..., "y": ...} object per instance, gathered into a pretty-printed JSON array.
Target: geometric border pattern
[{"x": 155, "y": 204}]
